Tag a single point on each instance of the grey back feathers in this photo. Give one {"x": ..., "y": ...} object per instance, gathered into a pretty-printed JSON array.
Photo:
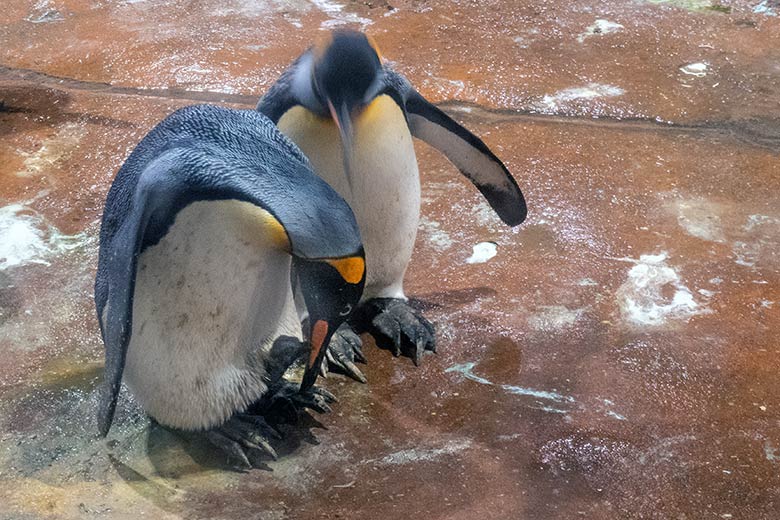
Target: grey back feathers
[{"x": 206, "y": 153}]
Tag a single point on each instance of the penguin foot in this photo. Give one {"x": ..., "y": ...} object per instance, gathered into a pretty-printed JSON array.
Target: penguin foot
[
  {"x": 243, "y": 438},
  {"x": 284, "y": 401},
  {"x": 397, "y": 326},
  {"x": 345, "y": 348}
]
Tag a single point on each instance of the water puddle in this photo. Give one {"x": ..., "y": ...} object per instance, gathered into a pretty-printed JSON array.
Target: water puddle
[{"x": 26, "y": 237}]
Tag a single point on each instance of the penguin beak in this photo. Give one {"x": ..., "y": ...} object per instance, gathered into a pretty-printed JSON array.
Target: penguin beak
[
  {"x": 319, "y": 335},
  {"x": 341, "y": 116}
]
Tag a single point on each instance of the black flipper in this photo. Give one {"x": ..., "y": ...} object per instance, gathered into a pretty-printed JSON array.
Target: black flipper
[
  {"x": 279, "y": 98},
  {"x": 119, "y": 317},
  {"x": 464, "y": 149},
  {"x": 205, "y": 153}
]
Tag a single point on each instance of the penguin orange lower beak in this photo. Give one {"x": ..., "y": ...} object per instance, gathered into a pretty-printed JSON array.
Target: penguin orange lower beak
[
  {"x": 341, "y": 116},
  {"x": 319, "y": 336}
]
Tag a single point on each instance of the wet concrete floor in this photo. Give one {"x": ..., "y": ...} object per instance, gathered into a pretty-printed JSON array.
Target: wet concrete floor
[{"x": 619, "y": 355}]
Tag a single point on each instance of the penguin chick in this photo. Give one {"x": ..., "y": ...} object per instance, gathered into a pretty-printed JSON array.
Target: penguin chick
[
  {"x": 204, "y": 227},
  {"x": 354, "y": 118}
]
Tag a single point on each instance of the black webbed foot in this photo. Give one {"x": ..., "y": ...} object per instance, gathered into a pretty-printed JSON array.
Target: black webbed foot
[
  {"x": 244, "y": 437},
  {"x": 284, "y": 401},
  {"x": 397, "y": 327},
  {"x": 345, "y": 348}
]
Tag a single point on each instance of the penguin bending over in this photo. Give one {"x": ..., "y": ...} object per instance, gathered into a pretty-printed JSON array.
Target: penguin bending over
[
  {"x": 204, "y": 227},
  {"x": 354, "y": 119}
]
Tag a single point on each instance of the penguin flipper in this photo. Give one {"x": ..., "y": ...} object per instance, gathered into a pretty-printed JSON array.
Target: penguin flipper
[
  {"x": 468, "y": 152},
  {"x": 116, "y": 318},
  {"x": 115, "y": 313},
  {"x": 280, "y": 98}
]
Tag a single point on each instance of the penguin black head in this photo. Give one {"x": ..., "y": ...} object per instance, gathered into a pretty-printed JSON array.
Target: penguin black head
[
  {"x": 331, "y": 288},
  {"x": 347, "y": 72}
]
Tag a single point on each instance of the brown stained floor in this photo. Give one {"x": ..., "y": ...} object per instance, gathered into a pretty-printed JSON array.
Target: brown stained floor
[{"x": 619, "y": 357}]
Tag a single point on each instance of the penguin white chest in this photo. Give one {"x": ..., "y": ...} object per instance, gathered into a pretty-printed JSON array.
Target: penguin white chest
[
  {"x": 209, "y": 300},
  {"x": 385, "y": 183}
]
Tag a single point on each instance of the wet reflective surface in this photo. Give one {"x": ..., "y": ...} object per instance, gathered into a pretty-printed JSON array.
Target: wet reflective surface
[{"x": 616, "y": 356}]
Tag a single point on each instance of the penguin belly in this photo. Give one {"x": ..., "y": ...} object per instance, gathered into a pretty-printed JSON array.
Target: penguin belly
[
  {"x": 385, "y": 191},
  {"x": 210, "y": 298}
]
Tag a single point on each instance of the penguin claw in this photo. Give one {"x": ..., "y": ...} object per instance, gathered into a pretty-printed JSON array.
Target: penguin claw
[
  {"x": 343, "y": 351},
  {"x": 418, "y": 352},
  {"x": 397, "y": 327},
  {"x": 230, "y": 447},
  {"x": 285, "y": 401},
  {"x": 241, "y": 435},
  {"x": 259, "y": 422}
]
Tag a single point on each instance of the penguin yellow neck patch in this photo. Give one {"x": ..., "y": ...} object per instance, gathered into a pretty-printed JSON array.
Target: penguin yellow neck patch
[
  {"x": 381, "y": 107},
  {"x": 351, "y": 269},
  {"x": 275, "y": 230}
]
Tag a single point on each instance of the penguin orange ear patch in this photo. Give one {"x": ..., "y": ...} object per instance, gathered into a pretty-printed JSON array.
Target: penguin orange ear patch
[
  {"x": 351, "y": 269},
  {"x": 373, "y": 44}
]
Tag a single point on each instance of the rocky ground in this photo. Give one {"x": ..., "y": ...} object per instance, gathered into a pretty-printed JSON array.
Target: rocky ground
[{"x": 617, "y": 357}]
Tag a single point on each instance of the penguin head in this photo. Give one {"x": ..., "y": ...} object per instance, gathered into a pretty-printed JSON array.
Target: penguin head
[
  {"x": 345, "y": 76},
  {"x": 346, "y": 73},
  {"x": 331, "y": 288}
]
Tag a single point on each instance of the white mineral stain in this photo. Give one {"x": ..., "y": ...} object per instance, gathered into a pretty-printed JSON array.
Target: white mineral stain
[
  {"x": 589, "y": 92},
  {"x": 424, "y": 455},
  {"x": 484, "y": 215},
  {"x": 587, "y": 282},
  {"x": 550, "y": 409},
  {"x": 766, "y": 7},
  {"x": 699, "y": 218},
  {"x": 482, "y": 252},
  {"x": 641, "y": 297},
  {"x": 772, "y": 454},
  {"x": 691, "y": 5},
  {"x": 27, "y": 238},
  {"x": 754, "y": 221},
  {"x": 599, "y": 27},
  {"x": 44, "y": 12},
  {"x": 53, "y": 149},
  {"x": 541, "y": 394},
  {"x": 698, "y": 69},
  {"x": 611, "y": 413},
  {"x": 337, "y": 15},
  {"x": 294, "y": 471},
  {"x": 467, "y": 370},
  {"x": 746, "y": 254},
  {"x": 438, "y": 238},
  {"x": 554, "y": 317}
]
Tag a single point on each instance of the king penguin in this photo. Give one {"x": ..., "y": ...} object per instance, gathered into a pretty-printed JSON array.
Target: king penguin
[
  {"x": 207, "y": 225},
  {"x": 354, "y": 118}
]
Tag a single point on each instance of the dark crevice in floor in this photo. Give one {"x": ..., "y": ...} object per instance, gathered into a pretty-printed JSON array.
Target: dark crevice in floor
[{"x": 755, "y": 132}]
